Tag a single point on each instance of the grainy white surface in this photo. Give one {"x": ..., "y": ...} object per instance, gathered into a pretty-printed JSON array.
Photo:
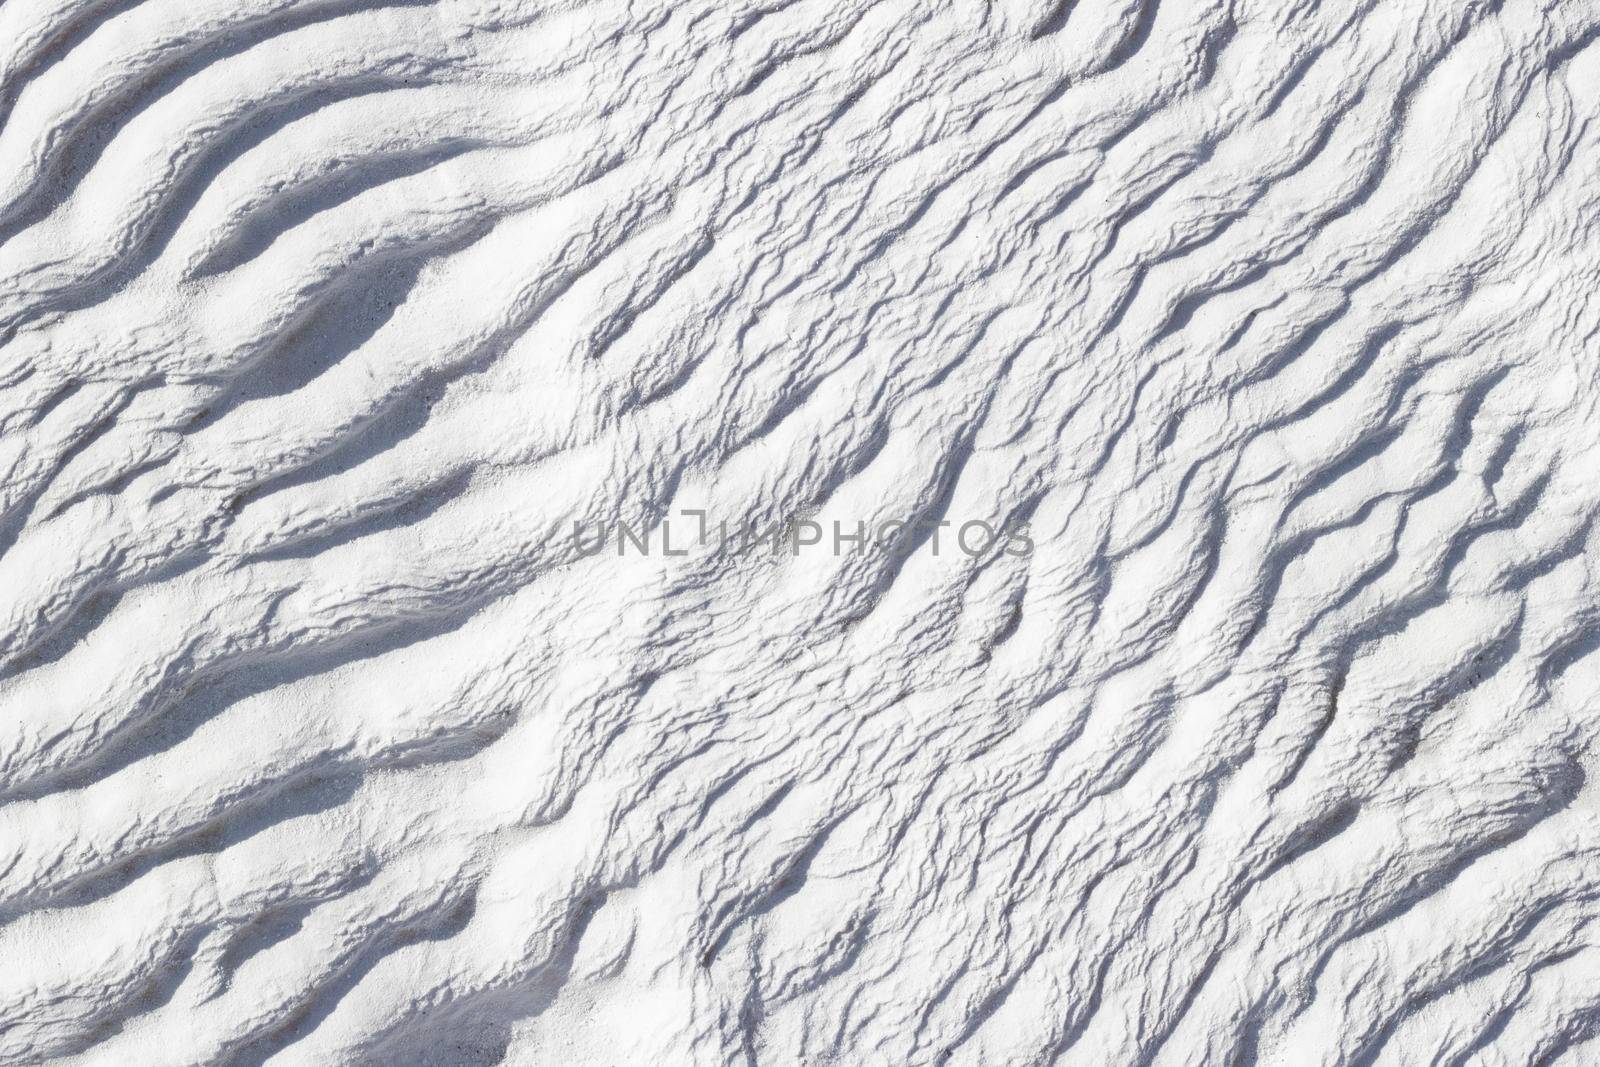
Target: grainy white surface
[{"x": 326, "y": 326}]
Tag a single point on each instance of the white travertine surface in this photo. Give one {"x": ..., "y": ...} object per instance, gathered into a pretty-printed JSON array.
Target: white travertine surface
[{"x": 799, "y": 532}]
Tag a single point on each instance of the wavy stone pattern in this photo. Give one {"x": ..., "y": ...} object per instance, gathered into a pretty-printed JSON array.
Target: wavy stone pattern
[{"x": 323, "y": 741}]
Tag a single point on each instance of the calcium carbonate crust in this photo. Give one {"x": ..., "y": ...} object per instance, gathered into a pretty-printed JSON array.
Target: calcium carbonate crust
[{"x": 1227, "y": 695}]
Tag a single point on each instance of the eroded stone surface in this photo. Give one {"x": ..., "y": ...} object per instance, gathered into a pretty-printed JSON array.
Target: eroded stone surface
[{"x": 327, "y": 325}]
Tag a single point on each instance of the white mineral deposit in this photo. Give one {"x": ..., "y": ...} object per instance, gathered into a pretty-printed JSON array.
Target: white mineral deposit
[{"x": 799, "y": 533}]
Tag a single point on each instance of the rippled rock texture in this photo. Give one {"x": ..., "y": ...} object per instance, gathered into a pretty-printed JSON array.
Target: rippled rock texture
[{"x": 1262, "y": 334}]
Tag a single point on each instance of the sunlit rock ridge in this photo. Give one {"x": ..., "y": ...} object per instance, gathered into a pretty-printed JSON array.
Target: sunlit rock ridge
[{"x": 384, "y": 386}]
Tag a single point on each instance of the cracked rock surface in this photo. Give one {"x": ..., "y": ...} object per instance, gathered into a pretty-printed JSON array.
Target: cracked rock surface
[{"x": 1171, "y": 431}]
